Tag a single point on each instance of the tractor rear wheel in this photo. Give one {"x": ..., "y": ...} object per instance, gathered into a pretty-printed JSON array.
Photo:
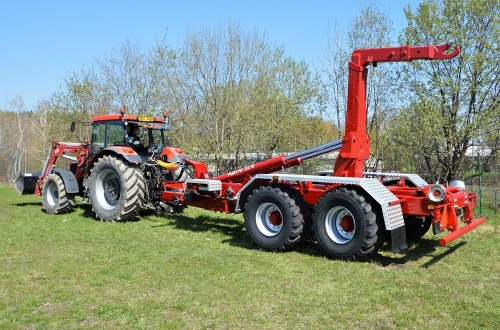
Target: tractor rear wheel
[
  {"x": 345, "y": 225},
  {"x": 273, "y": 218},
  {"x": 116, "y": 189},
  {"x": 54, "y": 197}
]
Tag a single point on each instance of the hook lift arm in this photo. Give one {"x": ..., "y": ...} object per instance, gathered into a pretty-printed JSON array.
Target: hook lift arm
[
  {"x": 356, "y": 143},
  {"x": 364, "y": 57}
]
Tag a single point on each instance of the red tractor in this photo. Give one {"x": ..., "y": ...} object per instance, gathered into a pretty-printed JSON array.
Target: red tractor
[
  {"x": 351, "y": 212},
  {"x": 113, "y": 170}
]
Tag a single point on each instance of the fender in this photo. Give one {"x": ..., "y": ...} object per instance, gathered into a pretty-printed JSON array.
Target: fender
[
  {"x": 127, "y": 153},
  {"x": 69, "y": 179},
  {"x": 171, "y": 154}
]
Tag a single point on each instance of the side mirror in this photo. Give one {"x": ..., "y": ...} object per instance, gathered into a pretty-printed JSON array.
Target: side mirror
[{"x": 72, "y": 126}]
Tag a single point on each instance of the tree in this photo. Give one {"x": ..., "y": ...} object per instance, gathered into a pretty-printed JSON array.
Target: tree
[
  {"x": 371, "y": 28},
  {"x": 81, "y": 97},
  {"x": 18, "y": 106},
  {"x": 235, "y": 94},
  {"x": 17, "y": 135},
  {"x": 8, "y": 144},
  {"x": 284, "y": 94},
  {"x": 453, "y": 103},
  {"x": 208, "y": 84},
  {"x": 135, "y": 77},
  {"x": 39, "y": 136},
  {"x": 335, "y": 67}
]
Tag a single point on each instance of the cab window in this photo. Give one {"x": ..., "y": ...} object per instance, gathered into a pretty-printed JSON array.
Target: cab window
[{"x": 108, "y": 133}]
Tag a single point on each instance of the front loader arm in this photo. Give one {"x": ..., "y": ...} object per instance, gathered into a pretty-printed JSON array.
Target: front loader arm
[
  {"x": 58, "y": 149},
  {"x": 356, "y": 143}
]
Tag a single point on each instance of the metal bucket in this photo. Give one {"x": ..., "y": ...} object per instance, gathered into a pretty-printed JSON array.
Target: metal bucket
[{"x": 25, "y": 183}]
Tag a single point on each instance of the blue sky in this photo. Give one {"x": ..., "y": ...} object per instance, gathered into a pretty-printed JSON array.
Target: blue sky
[{"x": 42, "y": 42}]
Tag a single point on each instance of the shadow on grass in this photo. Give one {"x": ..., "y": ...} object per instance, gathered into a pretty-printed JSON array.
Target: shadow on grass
[
  {"x": 235, "y": 230},
  {"x": 237, "y": 234},
  {"x": 438, "y": 258},
  {"x": 28, "y": 204},
  {"x": 232, "y": 228},
  {"x": 88, "y": 213},
  {"x": 417, "y": 250}
]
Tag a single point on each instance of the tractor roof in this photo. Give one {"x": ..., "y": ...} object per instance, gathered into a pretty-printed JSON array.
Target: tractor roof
[{"x": 118, "y": 116}]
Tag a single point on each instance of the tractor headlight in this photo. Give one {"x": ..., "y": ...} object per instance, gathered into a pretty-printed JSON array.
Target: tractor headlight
[
  {"x": 436, "y": 193},
  {"x": 460, "y": 185}
]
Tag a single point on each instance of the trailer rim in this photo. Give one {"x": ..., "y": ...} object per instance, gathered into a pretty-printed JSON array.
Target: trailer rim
[
  {"x": 269, "y": 219},
  {"x": 340, "y": 225}
]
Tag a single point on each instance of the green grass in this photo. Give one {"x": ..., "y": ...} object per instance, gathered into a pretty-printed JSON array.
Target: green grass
[{"x": 198, "y": 270}]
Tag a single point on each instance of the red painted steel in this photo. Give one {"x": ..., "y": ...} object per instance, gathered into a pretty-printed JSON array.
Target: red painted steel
[
  {"x": 459, "y": 232},
  {"x": 356, "y": 143},
  {"x": 59, "y": 149}
]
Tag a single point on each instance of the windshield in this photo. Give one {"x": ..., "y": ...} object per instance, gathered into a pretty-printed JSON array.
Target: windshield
[{"x": 151, "y": 135}]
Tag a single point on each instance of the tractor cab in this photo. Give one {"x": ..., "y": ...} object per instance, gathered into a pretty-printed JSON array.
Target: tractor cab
[{"x": 145, "y": 135}]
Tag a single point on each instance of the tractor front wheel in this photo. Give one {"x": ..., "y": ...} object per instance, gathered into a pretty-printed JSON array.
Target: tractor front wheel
[
  {"x": 54, "y": 197},
  {"x": 116, "y": 189},
  {"x": 345, "y": 225}
]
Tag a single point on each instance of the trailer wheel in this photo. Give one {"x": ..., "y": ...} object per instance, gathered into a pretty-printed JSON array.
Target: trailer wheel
[
  {"x": 116, "y": 189},
  {"x": 345, "y": 225},
  {"x": 54, "y": 197},
  {"x": 306, "y": 213},
  {"x": 273, "y": 219}
]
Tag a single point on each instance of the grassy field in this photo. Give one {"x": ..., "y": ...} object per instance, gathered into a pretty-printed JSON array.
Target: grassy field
[{"x": 198, "y": 270}]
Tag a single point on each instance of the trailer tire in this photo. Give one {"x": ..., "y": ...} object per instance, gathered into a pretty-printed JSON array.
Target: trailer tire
[
  {"x": 345, "y": 225},
  {"x": 55, "y": 199},
  {"x": 117, "y": 189},
  {"x": 273, "y": 219},
  {"x": 306, "y": 211},
  {"x": 416, "y": 227}
]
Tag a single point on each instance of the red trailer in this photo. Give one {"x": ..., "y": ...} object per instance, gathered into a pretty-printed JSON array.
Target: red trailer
[{"x": 351, "y": 211}]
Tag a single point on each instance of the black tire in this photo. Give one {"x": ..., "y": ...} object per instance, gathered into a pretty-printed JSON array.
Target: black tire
[
  {"x": 273, "y": 219},
  {"x": 345, "y": 225},
  {"x": 183, "y": 173},
  {"x": 54, "y": 197},
  {"x": 117, "y": 189},
  {"x": 381, "y": 231},
  {"x": 416, "y": 227},
  {"x": 306, "y": 214}
]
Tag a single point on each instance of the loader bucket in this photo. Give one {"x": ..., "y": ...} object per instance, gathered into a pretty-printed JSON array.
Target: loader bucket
[{"x": 25, "y": 183}]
